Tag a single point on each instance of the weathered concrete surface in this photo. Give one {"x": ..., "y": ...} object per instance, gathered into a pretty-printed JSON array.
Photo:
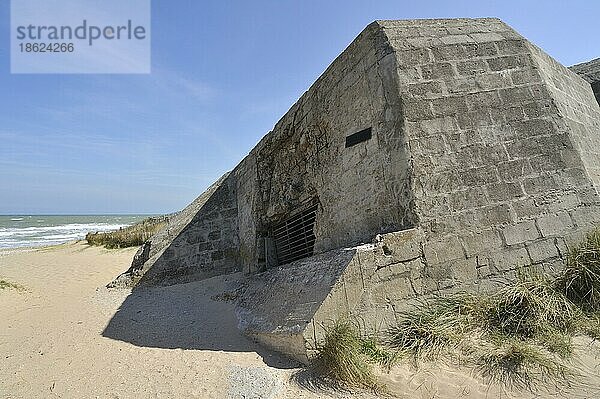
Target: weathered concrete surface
[
  {"x": 278, "y": 306},
  {"x": 199, "y": 242},
  {"x": 502, "y": 172},
  {"x": 483, "y": 159},
  {"x": 590, "y": 71}
]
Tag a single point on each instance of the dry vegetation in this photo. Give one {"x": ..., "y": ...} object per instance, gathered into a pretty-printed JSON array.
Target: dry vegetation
[
  {"x": 8, "y": 285},
  {"x": 346, "y": 357},
  {"x": 131, "y": 236},
  {"x": 518, "y": 337}
]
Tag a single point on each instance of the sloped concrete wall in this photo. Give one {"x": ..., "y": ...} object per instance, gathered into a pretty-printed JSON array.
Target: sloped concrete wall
[
  {"x": 304, "y": 157},
  {"x": 590, "y": 71},
  {"x": 497, "y": 177},
  {"x": 578, "y": 108},
  {"x": 199, "y": 242},
  {"x": 206, "y": 246},
  {"x": 277, "y": 307}
]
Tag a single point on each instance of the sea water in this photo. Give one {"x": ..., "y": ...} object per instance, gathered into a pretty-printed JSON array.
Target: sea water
[{"x": 37, "y": 230}]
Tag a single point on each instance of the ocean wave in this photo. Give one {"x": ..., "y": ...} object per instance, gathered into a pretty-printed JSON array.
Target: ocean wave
[
  {"x": 12, "y": 237},
  {"x": 91, "y": 227}
]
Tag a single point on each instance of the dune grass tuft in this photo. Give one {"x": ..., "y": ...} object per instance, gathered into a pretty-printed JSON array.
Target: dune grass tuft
[
  {"x": 591, "y": 326},
  {"x": 518, "y": 336},
  {"x": 131, "y": 236},
  {"x": 378, "y": 353},
  {"x": 580, "y": 281},
  {"x": 434, "y": 326},
  {"x": 346, "y": 358},
  {"x": 518, "y": 364},
  {"x": 530, "y": 307}
]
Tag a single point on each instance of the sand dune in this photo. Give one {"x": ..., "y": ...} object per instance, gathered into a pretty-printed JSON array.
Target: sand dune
[{"x": 66, "y": 336}]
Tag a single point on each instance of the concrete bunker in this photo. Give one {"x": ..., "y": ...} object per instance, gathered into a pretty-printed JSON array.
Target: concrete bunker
[{"x": 430, "y": 156}]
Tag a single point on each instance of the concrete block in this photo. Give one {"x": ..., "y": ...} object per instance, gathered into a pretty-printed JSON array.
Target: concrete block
[
  {"x": 479, "y": 121},
  {"x": 514, "y": 170},
  {"x": 586, "y": 217},
  {"x": 480, "y": 49},
  {"x": 481, "y": 242},
  {"x": 525, "y": 76},
  {"x": 504, "y": 191},
  {"x": 476, "y": 177},
  {"x": 402, "y": 246},
  {"x": 540, "y": 184},
  {"x": 520, "y": 233},
  {"x": 448, "y": 106},
  {"x": 555, "y": 224},
  {"x": 532, "y": 128},
  {"x": 486, "y": 37},
  {"x": 493, "y": 215},
  {"x": 468, "y": 199},
  {"x": 507, "y": 62},
  {"x": 438, "y": 125},
  {"x": 438, "y": 71},
  {"x": 444, "y": 250},
  {"x": 457, "y": 39},
  {"x": 483, "y": 100},
  {"x": 415, "y": 56},
  {"x": 472, "y": 67},
  {"x": 511, "y": 47},
  {"x": 426, "y": 89},
  {"x": 492, "y": 81},
  {"x": 516, "y": 95},
  {"x": 464, "y": 270},
  {"x": 449, "y": 52},
  {"x": 564, "y": 202},
  {"x": 542, "y": 250},
  {"x": 417, "y": 110},
  {"x": 510, "y": 259}
]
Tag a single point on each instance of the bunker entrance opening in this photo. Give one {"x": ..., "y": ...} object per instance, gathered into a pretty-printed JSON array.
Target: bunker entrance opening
[{"x": 294, "y": 237}]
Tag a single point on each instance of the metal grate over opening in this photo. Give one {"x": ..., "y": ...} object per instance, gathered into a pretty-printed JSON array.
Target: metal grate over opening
[{"x": 295, "y": 238}]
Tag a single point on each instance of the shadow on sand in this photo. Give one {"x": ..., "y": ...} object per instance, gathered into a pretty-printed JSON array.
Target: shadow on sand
[{"x": 186, "y": 316}]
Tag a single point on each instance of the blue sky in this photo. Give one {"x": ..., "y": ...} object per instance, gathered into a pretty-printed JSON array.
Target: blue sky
[{"x": 223, "y": 73}]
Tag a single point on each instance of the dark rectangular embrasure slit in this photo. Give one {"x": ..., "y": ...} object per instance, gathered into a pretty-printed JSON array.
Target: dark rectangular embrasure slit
[
  {"x": 358, "y": 137},
  {"x": 295, "y": 238}
]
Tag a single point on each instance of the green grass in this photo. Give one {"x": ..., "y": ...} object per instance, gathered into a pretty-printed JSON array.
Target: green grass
[
  {"x": 348, "y": 358},
  {"x": 131, "y": 236},
  {"x": 520, "y": 335},
  {"x": 580, "y": 281},
  {"x": 434, "y": 326},
  {"x": 518, "y": 364},
  {"x": 377, "y": 353}
]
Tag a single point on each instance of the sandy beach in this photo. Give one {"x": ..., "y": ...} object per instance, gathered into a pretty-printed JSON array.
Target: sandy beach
[{"x": 66, "y": 336}]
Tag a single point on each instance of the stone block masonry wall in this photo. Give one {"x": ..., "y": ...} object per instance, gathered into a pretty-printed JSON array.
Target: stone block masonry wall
[
  {"x": 578, "y": 108},
  {"x": 483, "y": 159},
  {"x": 480, "y": 140},
  {"x": 590, "y": 71},
  {"x": 501, "y": 147},
  {"x": 305, "y": 157},
  {"x": 204, "y": 243},
  {"x": 498, "y": 180}
]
